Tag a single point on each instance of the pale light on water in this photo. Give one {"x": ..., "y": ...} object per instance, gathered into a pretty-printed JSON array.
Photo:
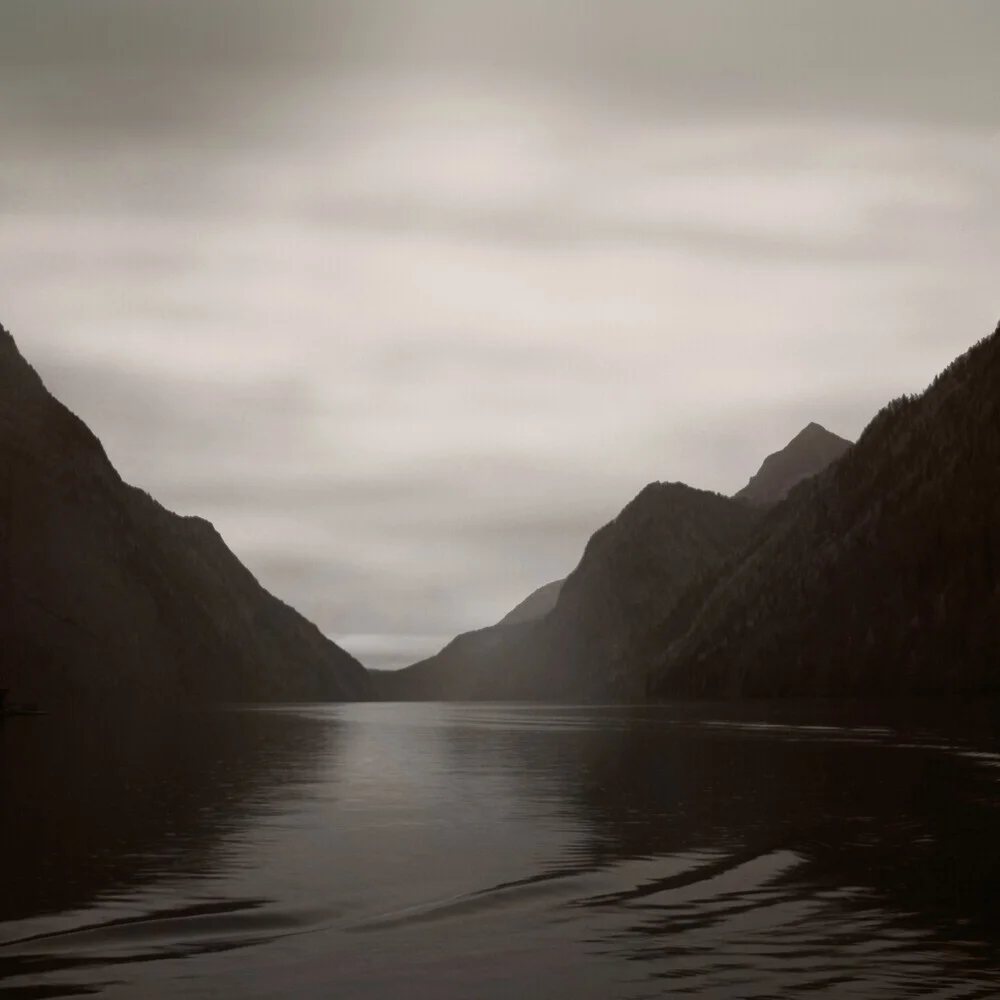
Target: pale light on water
[{"x": 454, "y": 851}]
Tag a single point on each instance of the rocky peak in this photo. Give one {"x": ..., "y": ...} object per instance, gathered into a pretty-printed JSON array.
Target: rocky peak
[{"x": 806, "y": 455}]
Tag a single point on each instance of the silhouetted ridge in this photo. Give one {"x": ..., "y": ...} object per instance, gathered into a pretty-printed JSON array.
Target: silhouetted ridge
[
  {"x": 881, "y": 575},
  {"x": 106, "y": 594},
  {"x": 807, "y": 454},
  {"x": 631, "y": 569},
  {"x": 537, "y": 604}
]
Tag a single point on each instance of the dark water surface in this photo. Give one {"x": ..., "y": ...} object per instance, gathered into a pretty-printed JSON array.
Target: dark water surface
[{"x": 463, "y": 852}]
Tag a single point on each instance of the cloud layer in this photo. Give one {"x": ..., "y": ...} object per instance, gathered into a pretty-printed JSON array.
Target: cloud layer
[{"x": 409, "y": 337}]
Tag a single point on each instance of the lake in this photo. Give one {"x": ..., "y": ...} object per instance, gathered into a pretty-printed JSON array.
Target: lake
[{"x": 472, "y": 852}]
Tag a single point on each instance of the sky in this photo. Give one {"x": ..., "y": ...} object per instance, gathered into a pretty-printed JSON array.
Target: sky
[{"x": 408, "y": 297}]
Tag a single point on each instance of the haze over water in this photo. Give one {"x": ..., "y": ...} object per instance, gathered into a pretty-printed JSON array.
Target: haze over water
[{"x": 455, "y": 851}]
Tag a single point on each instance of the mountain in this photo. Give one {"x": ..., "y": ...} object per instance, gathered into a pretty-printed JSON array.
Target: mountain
[
  {"x": 105, "y": 595},
  {"x": 632, "y": 568},
  {"x": 536, "y": 605},
  {"x": 879, "y": 576},
  {"x": 806, "y": 455}
]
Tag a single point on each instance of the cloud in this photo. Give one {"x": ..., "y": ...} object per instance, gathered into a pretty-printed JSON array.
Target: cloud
[
  {"x": 214, "y": 71},
  {"x": 411, "y": 348}
]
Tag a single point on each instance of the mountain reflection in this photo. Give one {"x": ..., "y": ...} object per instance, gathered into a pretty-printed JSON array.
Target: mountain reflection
[
  {"x": 91, "y": 807},
  {"x": 447, "y": 851},
  {"x": 868, "y": 808}
]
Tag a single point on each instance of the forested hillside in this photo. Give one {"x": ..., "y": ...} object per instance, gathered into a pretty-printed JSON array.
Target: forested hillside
[{"x": 880, "y": 576}]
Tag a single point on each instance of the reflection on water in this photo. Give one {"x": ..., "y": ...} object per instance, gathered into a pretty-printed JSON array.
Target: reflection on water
[
  {"x": 769, "y": 850},
  {"x": 90, "y": 806}
]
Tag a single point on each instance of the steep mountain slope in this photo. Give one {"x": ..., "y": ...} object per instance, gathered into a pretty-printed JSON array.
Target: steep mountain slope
[
  {"x": 632, "y": 569},
  {"x": 881, "y": 575},
  {"x": 106, "y": 595},
  {"x": 536, "y": 605},
  {"x": 807, "y": 454},
  {"x": 474, "y": 661}
]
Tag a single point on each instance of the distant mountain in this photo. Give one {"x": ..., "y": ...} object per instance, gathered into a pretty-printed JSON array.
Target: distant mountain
[
  {"x": 483, "y": 662},
  {"x": 879, "y": 576},
  {"x": 631, "y": 570},
  {"x": 807, "y": 454},
  {"x": 105, "y": 595},
  {"x": 536, "y": 605}
]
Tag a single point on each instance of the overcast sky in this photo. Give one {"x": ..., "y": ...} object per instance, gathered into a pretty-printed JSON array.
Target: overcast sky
[{"x": 409, "y": 296}]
